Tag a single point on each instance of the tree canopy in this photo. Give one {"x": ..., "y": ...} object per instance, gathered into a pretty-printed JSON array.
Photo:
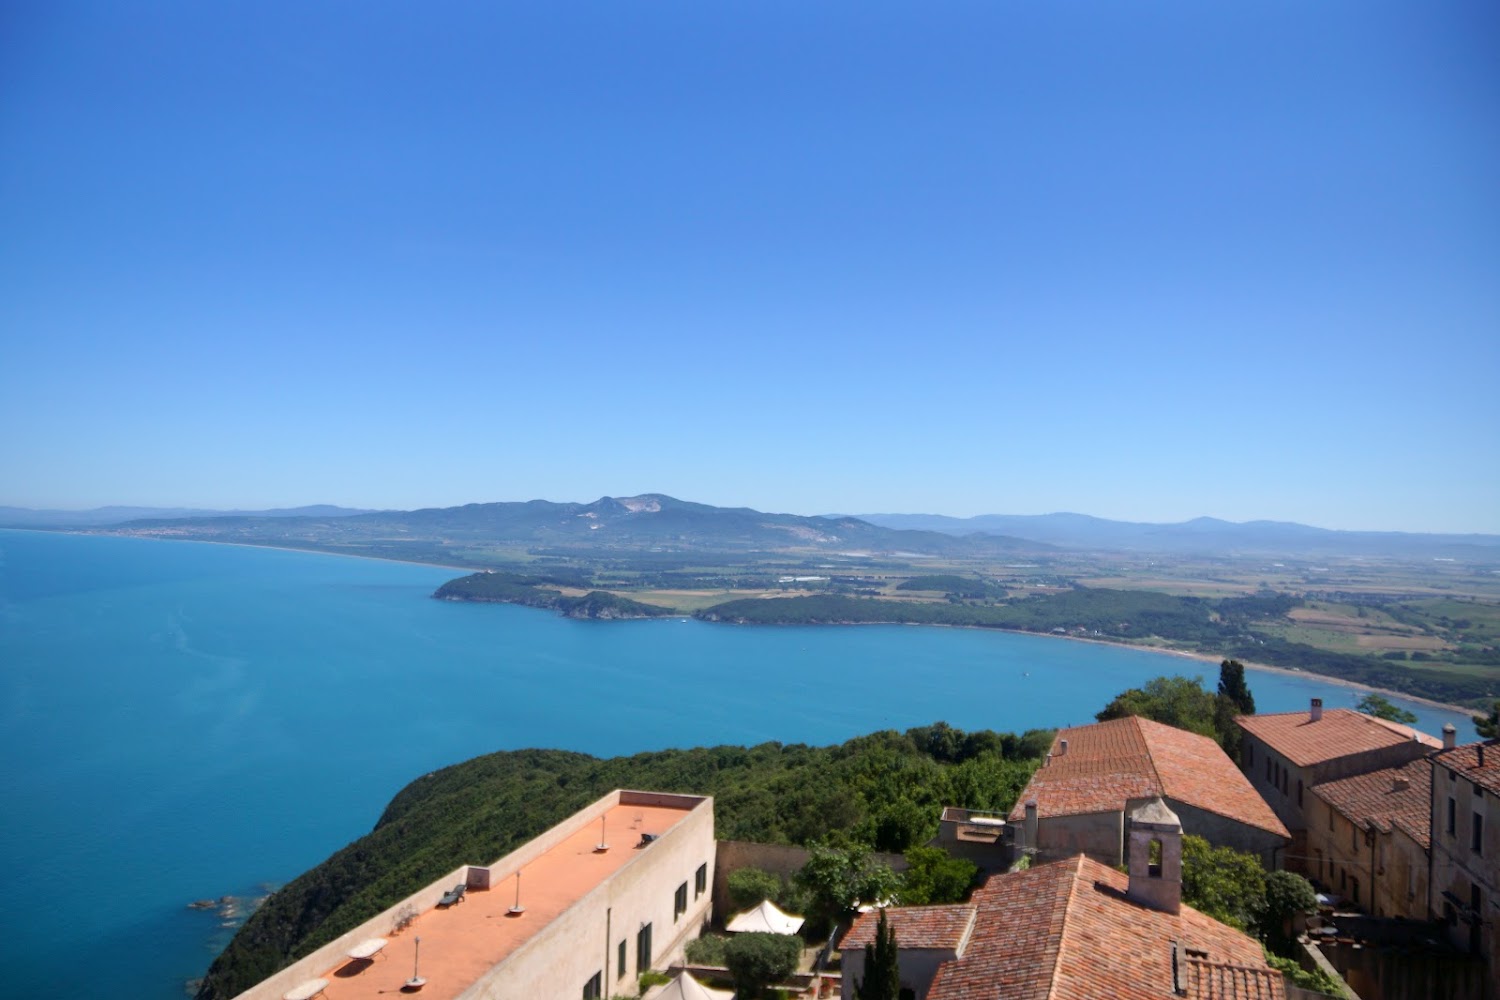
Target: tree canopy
[
  {"x": 1378, "y": 706},
  {"x": 1173, "y": 701},
  {"x": 757, "y": 961}
]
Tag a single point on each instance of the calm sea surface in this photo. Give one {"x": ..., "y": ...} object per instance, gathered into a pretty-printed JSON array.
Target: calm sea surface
[{"x": 180, "y": 721}]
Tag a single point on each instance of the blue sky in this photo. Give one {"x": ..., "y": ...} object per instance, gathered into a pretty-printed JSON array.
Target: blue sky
[{"x": 1145, "y": 261}]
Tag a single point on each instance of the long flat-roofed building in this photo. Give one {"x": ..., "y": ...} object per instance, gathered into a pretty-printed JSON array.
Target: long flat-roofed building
[
  {"x": 1097, "y": 774},
  {"x": 580, "y": 921}
]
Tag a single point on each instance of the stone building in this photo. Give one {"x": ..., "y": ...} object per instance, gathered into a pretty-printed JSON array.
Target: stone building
[
  {"x": 1097, "y": 774},
  {"x": 1368, "y": 838},
  {"x": 1464, "y": 892},
  {"x": 1073, "y": 929},
  {"x": 1284, "y": 754}
]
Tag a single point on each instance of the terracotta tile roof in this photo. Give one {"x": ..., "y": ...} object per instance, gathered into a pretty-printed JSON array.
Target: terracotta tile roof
[
  {"x": 1065, "y": 930},
  {"x": 1465, "y": 760},
  {"x": 1392, "y": 797},
  {"x": 1341, "y": 732},
  {"x": 1134, "y": 758},
  {"x": 945, "y": 927}
]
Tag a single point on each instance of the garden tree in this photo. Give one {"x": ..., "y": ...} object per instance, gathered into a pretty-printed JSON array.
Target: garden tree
[
  {"x": 935, "y": 877},
  {"x": 1222, "y": 882},
  {"x": 1287, "y": 894},
  {"x": 1488, "y": 726},
  {"x": 1173, "y": 701},
  {"x": 749, "y": 886},
  {"x": 757, "y": 961},
  {"x": 837, "y": 879},
  {"x": 882, "y": 979},
  {"x": 1376, "y": 705},
  {"x": 1233, "y": 687},
  {"x": 1233, "y": 698}
]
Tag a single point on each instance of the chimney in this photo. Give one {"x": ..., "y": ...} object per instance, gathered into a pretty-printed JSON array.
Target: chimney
[
  {"x": 1400, "y": 784},
  {"x": 1031, "y": 824},
  {"x": 1158, "y": 886},
  {"x": 1047, "y": 761},
  {"x": 1317, "y": 709},
  {"x": 1450, "y": 736},
  {"x": 1481, "y": 754},
  {"x": 1062, "y": 748}
]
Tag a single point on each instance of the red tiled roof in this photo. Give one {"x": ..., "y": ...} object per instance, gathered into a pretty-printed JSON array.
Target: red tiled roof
[
  {"x": 1379, "y": 796},
  {"x": 1134, "y": 758},
  {"x": 943, "y": 927},
  {"x": 1065, "y": 931},
  {"x": 1465, "y": 760},
  {"x": 1341, "y": 732}
]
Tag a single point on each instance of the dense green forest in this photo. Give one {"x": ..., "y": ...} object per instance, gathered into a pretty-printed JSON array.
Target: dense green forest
[
  {"x": 1224, "y": 627},
  {"x": 885, "y": 791},
  {"x": 532, "y": 591}
]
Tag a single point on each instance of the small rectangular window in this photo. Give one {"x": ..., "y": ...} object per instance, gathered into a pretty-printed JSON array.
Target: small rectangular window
[
  {"x": 1249, "y": 754},
  {"x": 620, "y": 961},
  {"x": 1476, "y": 835},
  {"x": 1452, "y": 815},
  {"x": 700, "y": 880},
  {"x": 594, "y": 988},
  {"x": 679, "y": 902},
  {"x": 643, "y": 949}
]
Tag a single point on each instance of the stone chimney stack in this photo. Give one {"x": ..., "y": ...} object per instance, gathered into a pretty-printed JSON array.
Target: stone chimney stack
[
  {"x": 1317, "y": 709},
  {"x": 1450, "y": 736},
  {"x": 1062, "y": 748},
  {"x": 1030, "y": 827},
  {"x": 1158, "y": 886}
]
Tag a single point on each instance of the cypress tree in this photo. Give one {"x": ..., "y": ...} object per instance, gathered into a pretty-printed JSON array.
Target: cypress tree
[{"x": 882, "y": 973}]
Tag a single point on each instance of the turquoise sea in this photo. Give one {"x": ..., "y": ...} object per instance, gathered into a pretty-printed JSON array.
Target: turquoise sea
[{"x": 180, "y": 721}]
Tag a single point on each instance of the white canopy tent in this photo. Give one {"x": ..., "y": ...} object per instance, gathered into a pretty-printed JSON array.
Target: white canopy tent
[
  {"x": 685, "y": 987},
  {"x": 767, "y": 918}
]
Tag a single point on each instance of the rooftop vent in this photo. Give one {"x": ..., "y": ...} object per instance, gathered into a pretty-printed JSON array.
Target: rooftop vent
[{"x": 1400, "y": 785}]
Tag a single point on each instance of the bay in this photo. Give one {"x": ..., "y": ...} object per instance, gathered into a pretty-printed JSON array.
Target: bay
[{"x": 182, "y": 721}]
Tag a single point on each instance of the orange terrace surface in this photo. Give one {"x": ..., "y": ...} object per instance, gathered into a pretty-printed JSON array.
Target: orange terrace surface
[{"x": 462, "y": 942}]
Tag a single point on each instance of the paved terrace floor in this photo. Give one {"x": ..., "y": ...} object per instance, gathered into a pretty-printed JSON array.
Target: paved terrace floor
[{"x": 461, "y": 943}]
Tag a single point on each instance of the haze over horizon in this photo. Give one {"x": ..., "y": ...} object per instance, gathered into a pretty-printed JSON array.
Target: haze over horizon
[{"x": 1143, "y": 264}]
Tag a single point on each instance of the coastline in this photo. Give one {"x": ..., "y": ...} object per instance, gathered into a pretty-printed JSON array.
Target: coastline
[{"x": 1201, "y": 657}]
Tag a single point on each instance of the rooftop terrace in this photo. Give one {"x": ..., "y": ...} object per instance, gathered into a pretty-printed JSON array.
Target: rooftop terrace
[{"x": 462, "y": 942}]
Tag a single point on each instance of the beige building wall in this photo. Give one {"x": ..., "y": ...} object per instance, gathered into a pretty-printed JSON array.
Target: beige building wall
[
  {"x": 1100, "y": 835},
  {"x": 1465, "y": 886},
  {"x": 565, "y": 954},
  {"x": 585, "y": 940}
]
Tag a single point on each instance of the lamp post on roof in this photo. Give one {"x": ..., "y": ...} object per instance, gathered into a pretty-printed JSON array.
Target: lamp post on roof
[
  {"x": 603, "y": 844},
  {"x": 416, "y": 982},
  {"x": 518, "y": 909}
]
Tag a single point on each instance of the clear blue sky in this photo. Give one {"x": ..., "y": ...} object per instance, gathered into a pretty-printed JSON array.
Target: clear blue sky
[{"x": 1145, "y": 261}]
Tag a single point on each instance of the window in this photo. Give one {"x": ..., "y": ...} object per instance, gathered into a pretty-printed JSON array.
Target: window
[
  {"x": 643, "y": 949},
  {"x": 594, "y": 988},
  {"x": 1476, "y": 834},
  {"x": 679, "y": 902},
  {"x": 700, "y": 880},
  {"x": 1249, "y": 754},
  {"x": 1268, "y": 769},
  {"x": 1452, "y": 815},
  {"x": 1299, "y": 793},
  {"x": 1353, "y": 837},
  {"x": 1330, "y": 819},
  {"x": 620, "y": 961}
]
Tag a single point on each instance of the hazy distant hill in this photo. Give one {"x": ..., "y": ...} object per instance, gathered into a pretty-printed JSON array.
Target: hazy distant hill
[
  {"x": 651, "y": 522},
  {"x": 25, "y": 517},
  {"x": 1203, "y": 535}
]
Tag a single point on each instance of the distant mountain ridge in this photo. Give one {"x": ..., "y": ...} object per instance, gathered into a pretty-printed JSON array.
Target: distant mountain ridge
[
  {"x": 649, "y": 522},
  {"x": 1201, "y": 535},
  {"x": 98, "y": 517}
]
